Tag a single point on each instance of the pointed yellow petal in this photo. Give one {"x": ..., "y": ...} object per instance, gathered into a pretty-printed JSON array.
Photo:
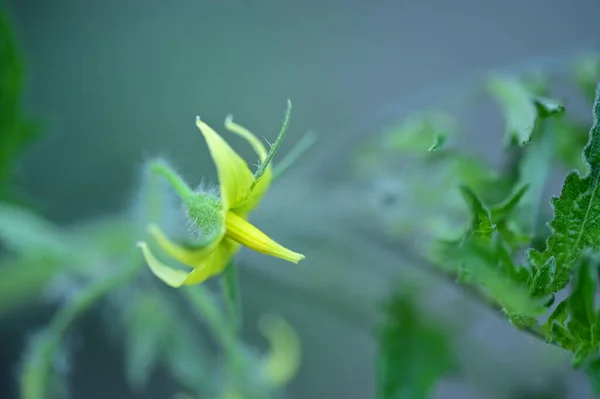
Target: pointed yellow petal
[
  {"x": 173, "y": 277},
  {"x": 215, "y": 263},
  {"x": 246, "y": 234},
  {"x": 261, "y": 186},
  {"x": 189, "y": 257},
  {"x": 235, "y": 178}
]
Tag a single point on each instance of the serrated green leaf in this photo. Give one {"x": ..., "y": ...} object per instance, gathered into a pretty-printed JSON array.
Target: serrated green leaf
[
  {"x": 522, "y": 108},
  {"x": 488, "y": 270},
  {"x": 562, "y": 336},
  {"x": 576, "y": 223},
  {"x": 414, "y": 353},
  {"x": 542, "y": 278},
  {"x": 481, "y": 223},
  {"x": 559, "y": 315}
]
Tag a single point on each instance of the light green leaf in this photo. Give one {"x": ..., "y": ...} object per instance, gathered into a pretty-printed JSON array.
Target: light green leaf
[
  {"x": 587, "y": 73},
  {"x": 522, "y": 108},
  {"x": 438, "y": 142},
  {"x": 414, "y": 352},
  {"x": 576, "y": 223},
  {"x": 418, "y": 132},
  {"x": 570, "y": 137}
]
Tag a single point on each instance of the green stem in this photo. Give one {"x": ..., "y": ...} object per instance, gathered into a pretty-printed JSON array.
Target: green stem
[
  {"x": 284, "y": 127},
  {"x": 231, "y": 291},
  {"x": 35, "y": 376},
  {"x": 184, "y": 191}
]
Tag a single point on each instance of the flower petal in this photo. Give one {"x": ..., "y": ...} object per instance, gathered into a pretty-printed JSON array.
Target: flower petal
[
  {"x": 240, "y": 230},
  {"x": 235, "y": 178},
  {"x": 173, "y": 277},
  {"x": 262, "y": 185},
  {"x": 215, "y": 263},
  {"x": 189, "y": 257}
]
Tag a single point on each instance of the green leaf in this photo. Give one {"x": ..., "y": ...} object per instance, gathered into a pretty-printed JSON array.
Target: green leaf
[
  {"x": 570, "y": 137},
  {"x": 503, "y": 210},
  {"x": 481, "y": 223},
  {"x": 414, "y": 352},
  {"x": 480, "y": 258},
  {"x": 542, "y": 278},
  {"x": 593, "y": 373},
  {"x": 521, "y": 107},
  {"x": 15, "y": 130},
  {"x": 587, "y": 73},
  {"x": 438, "y": 142},
  {"x": 582, "y": 313},
  {"x": 576, "y": 223},
  {"x": 418, "y": 132}
]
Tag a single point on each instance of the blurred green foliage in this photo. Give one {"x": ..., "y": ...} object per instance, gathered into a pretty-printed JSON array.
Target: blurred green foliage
[{"x": 480, "y": 225}]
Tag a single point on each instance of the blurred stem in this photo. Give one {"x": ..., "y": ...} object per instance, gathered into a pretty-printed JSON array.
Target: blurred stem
[
  {"x": 206, "y": 308},
  {"x": 297, "y": 151},
  {"x": 284, "y": 127},
  {"x": 159, "y": 167},
  {"x": 231, "y": 290},
  {"x": 35, "y": 375}
]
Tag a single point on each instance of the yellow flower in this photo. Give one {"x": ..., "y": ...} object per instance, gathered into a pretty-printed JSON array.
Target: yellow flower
[{"x": 224, "y": 220}]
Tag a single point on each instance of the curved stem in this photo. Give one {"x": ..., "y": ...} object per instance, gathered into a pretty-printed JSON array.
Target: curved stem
[{"x": 35, "y": 375}]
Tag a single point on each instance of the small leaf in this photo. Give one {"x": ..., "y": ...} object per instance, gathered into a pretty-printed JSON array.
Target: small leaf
[
  {"x": 438, "y": 142},
  {"x": 503, "y": 210},
  {"x": 559, "y": 315},
  {"x": 521, "y": 107},
  {"x": 542, "y": 278},
  {"x": 414, "y": 353},
  {"x": 481, "y": 223},
  {"x": 576, "y": 223}
]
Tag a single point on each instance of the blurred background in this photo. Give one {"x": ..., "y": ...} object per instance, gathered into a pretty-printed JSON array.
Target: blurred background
[{"x": 117, "y": 82}]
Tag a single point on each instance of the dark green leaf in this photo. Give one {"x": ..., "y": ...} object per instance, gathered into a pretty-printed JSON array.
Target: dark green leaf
[
  {"x": 593, "y": 373},
  {"x": 559, "y": 315},
  {"x": 570, "y": 137},
  {"x": 576, "y": 223},
  {"x": 414, "y": 353},
  {"x": 481, "y": 223},
  {"x": 15, "y": 130}
]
